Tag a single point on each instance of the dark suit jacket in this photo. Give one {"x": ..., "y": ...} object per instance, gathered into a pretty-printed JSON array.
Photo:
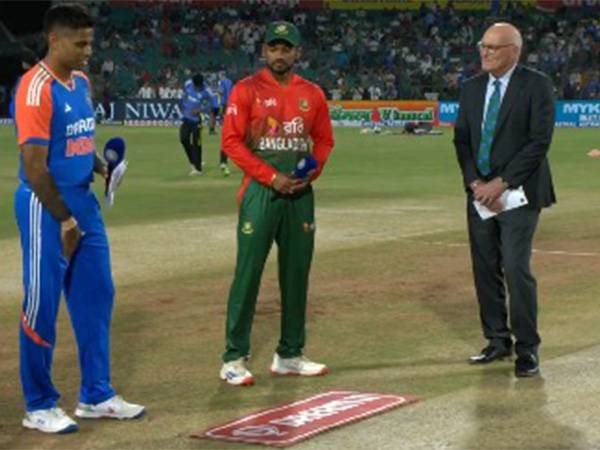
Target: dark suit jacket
[{"x": 522, "y": 136}]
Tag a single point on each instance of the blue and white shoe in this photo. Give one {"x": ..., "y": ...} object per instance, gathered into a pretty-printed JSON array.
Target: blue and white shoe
[
  {"x": 113, "y": 408},
  {"x": 236, "y": 373},
  {"x": 52, "y": 420}
]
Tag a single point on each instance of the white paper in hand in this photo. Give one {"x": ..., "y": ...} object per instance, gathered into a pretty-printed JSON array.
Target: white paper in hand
[
  {"x": 116, "y": 177},
  {"x": 510, "y": 199}
]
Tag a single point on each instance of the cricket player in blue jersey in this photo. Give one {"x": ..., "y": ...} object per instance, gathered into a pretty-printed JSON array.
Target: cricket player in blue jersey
[
  {"x": 197, "y": 100},
  {"x": 64, "y": 243}
]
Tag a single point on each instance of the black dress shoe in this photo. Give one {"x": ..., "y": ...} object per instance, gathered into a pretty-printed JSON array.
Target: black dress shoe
[
  {"x": 527, "y": 365},
  {"x": 489, "y": 354}
]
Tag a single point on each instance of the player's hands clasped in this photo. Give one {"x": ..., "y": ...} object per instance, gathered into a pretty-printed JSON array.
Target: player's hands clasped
[
  {"x": 70, "y": 235},
  {"x": 287, "y": 185}
]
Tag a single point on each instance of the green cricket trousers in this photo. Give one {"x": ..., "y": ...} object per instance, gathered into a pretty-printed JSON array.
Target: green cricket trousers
[{"x": 264, "y": 217}]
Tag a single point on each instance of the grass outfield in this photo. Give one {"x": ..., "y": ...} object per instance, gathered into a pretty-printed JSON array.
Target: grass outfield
[{"x": 391, "y": 308}]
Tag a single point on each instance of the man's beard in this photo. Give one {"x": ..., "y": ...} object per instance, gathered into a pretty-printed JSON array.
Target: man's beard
[{"x": 282, "y": 69}]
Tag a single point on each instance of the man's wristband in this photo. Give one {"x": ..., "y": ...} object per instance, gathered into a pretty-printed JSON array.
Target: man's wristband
[
  {"x": 273, "y": 179},
  {"x": 68, "y": 224}
]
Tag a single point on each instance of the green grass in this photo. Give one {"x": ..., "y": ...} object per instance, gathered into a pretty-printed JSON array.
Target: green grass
[{"x": 391, "y": 309}]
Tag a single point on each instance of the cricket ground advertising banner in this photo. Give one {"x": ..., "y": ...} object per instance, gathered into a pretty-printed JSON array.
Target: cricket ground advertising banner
[
  {"x": 140, "y": 112},
  {"x": 569, "y": 113},
  {"x": 578, "y": 114},
  {"x": 393, "y": 113},
  {"x": 448, "y": 113}
]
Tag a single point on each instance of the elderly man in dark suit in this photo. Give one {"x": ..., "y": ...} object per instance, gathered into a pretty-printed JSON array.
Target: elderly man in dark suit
[{"x": 502, "y": 136}]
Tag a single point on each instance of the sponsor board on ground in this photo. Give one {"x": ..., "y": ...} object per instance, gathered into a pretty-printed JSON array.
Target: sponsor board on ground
[
  {"x": 448, "y": 113},
  {"x": 393, "y": 113},
  {"x": 568, "y": 113},
  {"x": 289, "y": 424},
  {"x": 578, "y": 114}
]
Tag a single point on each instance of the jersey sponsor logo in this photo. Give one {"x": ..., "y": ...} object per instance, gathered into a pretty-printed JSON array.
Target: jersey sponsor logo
[
  {"x": 83, "y": 145},
  {"x": 294, "y": 126},
  {"x": 303, "y": 105},
  {"x": 273, "y": 127},
  {"x": 274, "y": 141},
  {"x": 81, "y": 126}
]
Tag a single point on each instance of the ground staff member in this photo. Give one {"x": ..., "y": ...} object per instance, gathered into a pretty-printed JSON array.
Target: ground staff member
[
  {"x": 64, "y": 243},
  {"x": 273, "y": 119},
  {"x": 502, "y": 137},
  {"x": 197, "y": 100}
]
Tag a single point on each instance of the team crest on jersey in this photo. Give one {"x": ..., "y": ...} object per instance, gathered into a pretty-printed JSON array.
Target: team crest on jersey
[
  {"x": 247, "y": 228},
  {"x": 303, "y": 105}
]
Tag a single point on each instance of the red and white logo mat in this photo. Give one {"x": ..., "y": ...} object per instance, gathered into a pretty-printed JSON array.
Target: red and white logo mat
[{"x": 288, "y": 424}]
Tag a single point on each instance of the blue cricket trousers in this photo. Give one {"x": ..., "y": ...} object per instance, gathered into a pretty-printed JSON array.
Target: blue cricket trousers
[{"x": 88, "y": 287}]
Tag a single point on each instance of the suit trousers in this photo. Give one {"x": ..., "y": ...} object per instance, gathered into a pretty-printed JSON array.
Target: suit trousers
[{"x": 501, "y": 249}]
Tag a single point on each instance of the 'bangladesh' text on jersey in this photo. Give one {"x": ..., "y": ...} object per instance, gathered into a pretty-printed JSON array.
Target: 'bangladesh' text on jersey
[
  {"x": 269, "y": 127},
  {"x": 60, "y": 116}
]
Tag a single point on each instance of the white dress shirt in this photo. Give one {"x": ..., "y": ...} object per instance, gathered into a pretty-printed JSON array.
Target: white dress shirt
[{"x": 504, "y": 80}]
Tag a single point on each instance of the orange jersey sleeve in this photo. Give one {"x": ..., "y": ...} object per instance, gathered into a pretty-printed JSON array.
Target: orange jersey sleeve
[
  {"x": 33, "y": 107},
  {"x": 235, "y": 129}
]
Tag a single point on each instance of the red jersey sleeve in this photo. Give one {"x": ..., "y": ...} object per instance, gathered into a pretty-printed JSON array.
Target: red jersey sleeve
[
  {"x": 233, "y": 140},
  {"x": 33, "y": 108},
  {"x": 321, "y": 134}
]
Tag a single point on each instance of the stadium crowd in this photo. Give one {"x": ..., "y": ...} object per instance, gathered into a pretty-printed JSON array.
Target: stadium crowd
[{"x": 149, "y": 50}]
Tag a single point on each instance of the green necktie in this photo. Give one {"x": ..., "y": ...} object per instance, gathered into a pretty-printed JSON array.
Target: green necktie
[{"x": 487, "y": 135}]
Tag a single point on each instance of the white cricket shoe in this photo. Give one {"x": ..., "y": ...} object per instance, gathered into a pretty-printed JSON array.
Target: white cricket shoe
[
  {"x": 113, "y": 408},
  {"x": 298, "y": 365},
  {"x": 236, "y": 373},
  {"x": 195, "y": 173},
  {"x": 52, "y": 420}
]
